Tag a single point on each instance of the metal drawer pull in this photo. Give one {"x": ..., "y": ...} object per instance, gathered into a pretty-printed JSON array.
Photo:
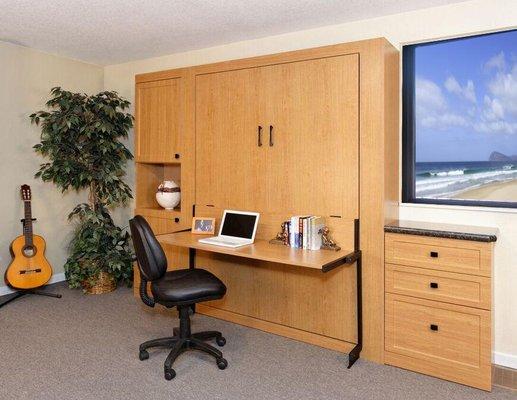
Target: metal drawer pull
[
  {"x": 434, "y": 254},
  {"x": 433, "y": 327},
  {"x": 176, "y": 220},
  {"x": 270, "y": 135},
  {"x": 433, "y": 285},
  {"x": 259, "y": 136}
]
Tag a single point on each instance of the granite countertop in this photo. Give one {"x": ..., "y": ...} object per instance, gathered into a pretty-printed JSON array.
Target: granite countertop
[{"x": 449, "y": 231}]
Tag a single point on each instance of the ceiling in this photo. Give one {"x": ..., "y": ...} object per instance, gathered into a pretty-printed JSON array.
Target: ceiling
[{"x": 114, "y": 31}]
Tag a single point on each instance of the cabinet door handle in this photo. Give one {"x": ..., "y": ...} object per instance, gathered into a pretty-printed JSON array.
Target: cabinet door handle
[
  {"x": 434, "y": 254},
  {"x": 259, "y": 136},
  {"x": 433, "y": 327},
  {"x": 270, "y": 135},
  {"x": 433, "y": 285},
  {"x": 176, "y": 220}
]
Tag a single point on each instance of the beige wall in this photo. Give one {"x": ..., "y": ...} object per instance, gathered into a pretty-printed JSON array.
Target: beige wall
[
  {"x": 454, "y": 20},
  {"x": 25, "y": 81}
]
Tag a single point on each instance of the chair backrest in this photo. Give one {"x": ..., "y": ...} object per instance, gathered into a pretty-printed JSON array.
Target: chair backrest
[{"x": 149, "y": 254}]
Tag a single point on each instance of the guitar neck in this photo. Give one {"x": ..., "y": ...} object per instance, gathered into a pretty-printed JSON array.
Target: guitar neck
[{"x": 27, "y": 225}]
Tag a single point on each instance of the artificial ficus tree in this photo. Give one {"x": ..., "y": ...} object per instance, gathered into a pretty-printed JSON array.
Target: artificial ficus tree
[{"x": 81, "y": 139}]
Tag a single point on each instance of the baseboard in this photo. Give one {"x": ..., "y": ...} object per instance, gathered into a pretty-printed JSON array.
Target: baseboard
[
  {"x": 505, "y": 360},
  {"x": 55, "y": 278},
  {"x": 504, "y": 377}
]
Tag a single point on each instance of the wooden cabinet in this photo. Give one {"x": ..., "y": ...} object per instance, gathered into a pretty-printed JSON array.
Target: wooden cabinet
[
  {"x": 312, "y": 110},
  {"x": 440, "y": 254},
  {"x": 160, "y": 119},
  {"x": 452, "y": 342},
  {"x": 468, "y": 290},
  {"x": 282, "y": 138},
  {"x": 230, "y": 164},
  {"x": 164, "y": 140},
  {"x": 438, "y": 318}
]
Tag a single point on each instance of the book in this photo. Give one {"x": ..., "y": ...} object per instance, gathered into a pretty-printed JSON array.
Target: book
[
  {"x": 317, "y": 223},
  {"x": 304, "y": 232},
  {"x": 294, "y": 231},
  {"x": 300, "y": 232}
]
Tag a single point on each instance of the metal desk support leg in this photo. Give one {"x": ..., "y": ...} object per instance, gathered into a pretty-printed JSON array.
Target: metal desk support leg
[
  {"x": 192, "y": 265},
  {"x": 353, "y": 356}
]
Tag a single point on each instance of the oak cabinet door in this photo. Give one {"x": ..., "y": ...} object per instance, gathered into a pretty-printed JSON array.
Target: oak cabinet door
[
  {"x": 160, "y": 120},
  {"x": 229, "y": 161},
  {"x": 313, "y": 156}
]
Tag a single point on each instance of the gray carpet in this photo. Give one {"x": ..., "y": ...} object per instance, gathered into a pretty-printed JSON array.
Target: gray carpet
[{"x": 86, "y": 347}]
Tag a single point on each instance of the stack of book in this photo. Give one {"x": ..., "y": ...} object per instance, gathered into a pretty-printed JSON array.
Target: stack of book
[{"x": 304, "y": 232}]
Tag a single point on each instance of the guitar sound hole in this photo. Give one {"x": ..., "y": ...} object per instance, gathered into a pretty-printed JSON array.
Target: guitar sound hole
[{"x": 29, "y": 251}]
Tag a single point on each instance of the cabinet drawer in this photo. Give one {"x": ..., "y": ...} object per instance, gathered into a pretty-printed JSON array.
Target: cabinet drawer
[
  {"x": 441, "y": 254},
  {"x": 165, "y": 225},
  {"x": 444, "y": 340},
  {"x": 462, "y": 289}
]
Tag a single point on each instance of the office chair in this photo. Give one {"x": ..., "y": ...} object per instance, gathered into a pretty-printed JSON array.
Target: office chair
[{"x": 179, "y": 288}]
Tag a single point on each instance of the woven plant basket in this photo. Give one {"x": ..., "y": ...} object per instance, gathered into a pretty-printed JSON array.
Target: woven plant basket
[{"x": 105, "y": 284}]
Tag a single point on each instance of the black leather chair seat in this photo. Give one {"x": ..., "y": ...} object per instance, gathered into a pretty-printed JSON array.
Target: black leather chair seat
[{"x": 187, "y": 286}]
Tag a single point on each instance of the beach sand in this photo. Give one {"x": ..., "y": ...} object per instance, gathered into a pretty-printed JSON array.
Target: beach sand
[{"x": 498, "y": 191}]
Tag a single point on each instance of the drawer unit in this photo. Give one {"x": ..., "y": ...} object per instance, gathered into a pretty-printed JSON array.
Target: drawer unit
[
  {"x": 438, "y": 300},
  {"x": 452, "y": 255},
  {"x": 444, "y": 340},
  {"x": 461, "y": 289},
  {"x": 165, "y": 225}
]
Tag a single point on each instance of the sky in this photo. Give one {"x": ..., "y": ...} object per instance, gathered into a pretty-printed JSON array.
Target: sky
[{"x": 466, "y": 98}]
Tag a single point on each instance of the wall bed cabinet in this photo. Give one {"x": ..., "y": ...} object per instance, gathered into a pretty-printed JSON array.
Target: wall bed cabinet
[{"x": 305, "y": 132}]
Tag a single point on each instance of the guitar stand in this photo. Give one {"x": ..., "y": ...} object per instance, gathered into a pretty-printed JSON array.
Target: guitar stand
[{"x": 31, "y": 291}]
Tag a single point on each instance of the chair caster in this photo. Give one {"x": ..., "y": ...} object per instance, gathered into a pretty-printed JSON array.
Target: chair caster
[
  {"x": 169, "y": 374},
  {"x": 220, "y": 341},
  {"x": 222, "y": 363},
  {"x": 143, "y": 355}
]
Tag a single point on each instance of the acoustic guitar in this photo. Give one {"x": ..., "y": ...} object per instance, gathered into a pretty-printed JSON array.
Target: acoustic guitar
[{"x": 29, "y": 268}]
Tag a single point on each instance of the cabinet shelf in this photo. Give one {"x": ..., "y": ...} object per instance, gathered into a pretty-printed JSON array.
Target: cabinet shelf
[{"x": 148, "y": 178}]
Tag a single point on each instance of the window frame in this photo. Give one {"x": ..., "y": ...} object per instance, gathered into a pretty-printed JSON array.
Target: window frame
[{"x": 409, "y": 132}]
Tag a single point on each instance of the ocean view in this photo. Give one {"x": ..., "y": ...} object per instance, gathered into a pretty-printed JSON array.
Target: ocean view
[{"x": 466, "y": 180}]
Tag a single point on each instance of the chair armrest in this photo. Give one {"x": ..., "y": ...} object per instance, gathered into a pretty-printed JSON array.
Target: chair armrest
[{"x": 148, "y": 301}]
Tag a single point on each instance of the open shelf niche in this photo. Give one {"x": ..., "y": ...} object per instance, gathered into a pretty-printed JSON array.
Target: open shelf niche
[{"x": 148, "y": 178}]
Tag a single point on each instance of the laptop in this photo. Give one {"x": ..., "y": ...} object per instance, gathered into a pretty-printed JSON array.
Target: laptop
[{"x": 237, "y": 229}]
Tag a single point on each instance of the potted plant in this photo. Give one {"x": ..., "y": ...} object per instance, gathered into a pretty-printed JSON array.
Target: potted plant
[{"x": 81, "y": 138}]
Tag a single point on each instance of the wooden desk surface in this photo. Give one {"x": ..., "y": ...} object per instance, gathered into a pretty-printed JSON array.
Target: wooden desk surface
[{"x": 260, "y": 250}]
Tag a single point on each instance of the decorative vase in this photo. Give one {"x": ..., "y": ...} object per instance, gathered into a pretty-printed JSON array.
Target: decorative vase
[{"x": 168, "y": 195}]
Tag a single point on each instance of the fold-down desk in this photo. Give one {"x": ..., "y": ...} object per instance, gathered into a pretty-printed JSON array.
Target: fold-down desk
[{"x": 323, "y": 260}]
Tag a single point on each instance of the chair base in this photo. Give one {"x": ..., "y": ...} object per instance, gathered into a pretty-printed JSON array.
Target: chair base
[{"x": 182, "y": 341}]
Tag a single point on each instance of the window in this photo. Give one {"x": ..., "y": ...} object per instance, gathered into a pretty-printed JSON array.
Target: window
[{"x": 460, "y": 121}]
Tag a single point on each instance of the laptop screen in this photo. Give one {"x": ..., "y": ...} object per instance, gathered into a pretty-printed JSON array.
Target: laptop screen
[{"x": 238, "y": 225}]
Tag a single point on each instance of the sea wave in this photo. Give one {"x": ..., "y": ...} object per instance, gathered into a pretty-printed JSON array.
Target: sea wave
[
  {"x": 444, "y": 185},
  {"x": 464, "y": 171}
]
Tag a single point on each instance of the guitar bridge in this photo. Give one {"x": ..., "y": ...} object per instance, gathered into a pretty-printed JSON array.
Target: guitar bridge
[{"x": 30, "y": 271}]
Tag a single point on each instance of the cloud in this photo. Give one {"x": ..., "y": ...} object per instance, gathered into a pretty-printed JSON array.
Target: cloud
[
  {"x": 504, "y": 88},
  {"x": 444, "y": 121},
  {"x": 453, "y": 106},
  {"x": 494, "y": 109},
  {"x": 467, "y": 92},
  {"x": 496, "y": 127},
  {"x": 429, "y": 95},
  {"x": 496, "y": 62},
  {"x": 432, "y": 109}
]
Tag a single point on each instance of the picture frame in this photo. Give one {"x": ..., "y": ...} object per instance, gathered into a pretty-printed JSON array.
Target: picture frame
[{"x": 203, "y": 226}]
